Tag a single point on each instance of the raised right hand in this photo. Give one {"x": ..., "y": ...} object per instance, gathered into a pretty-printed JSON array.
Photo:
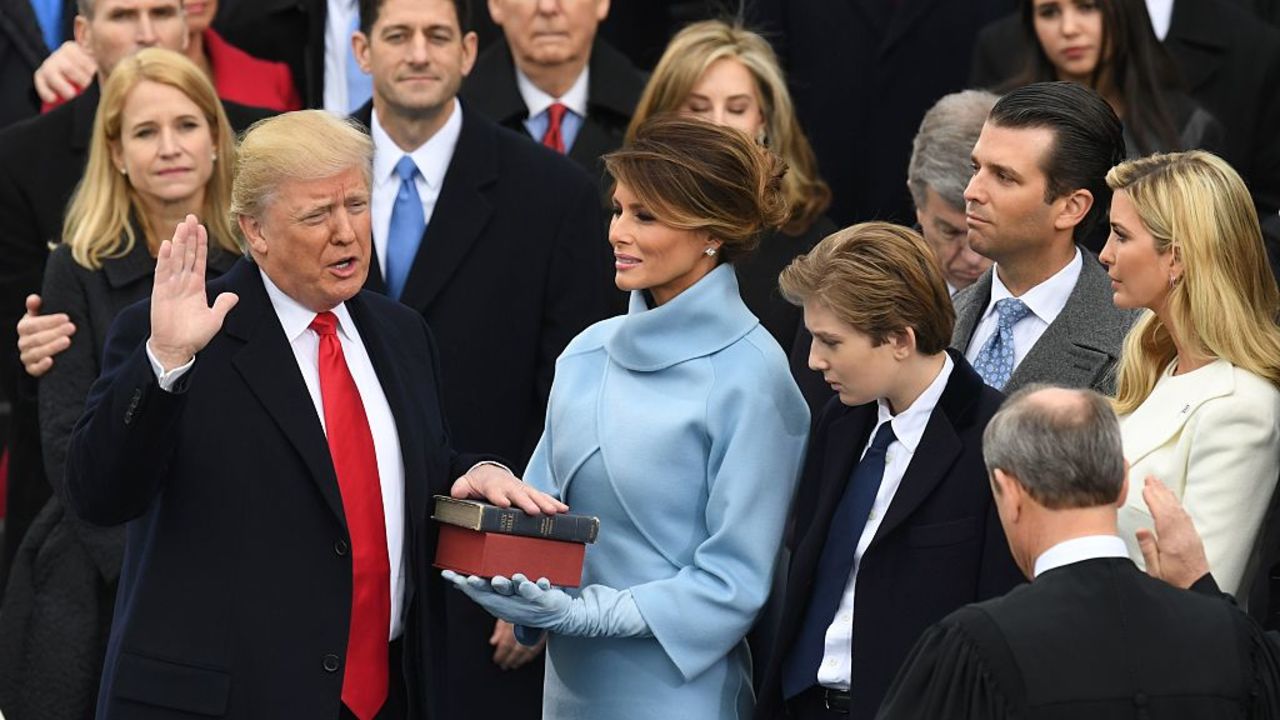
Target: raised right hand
[
  {"x": 40, "y": 337},
  {"x": 66, "y": 72},
  {"x": 182, "y": 322}
]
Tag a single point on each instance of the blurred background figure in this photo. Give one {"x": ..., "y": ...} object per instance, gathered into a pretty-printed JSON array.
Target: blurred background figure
[
  {"x": 1198, "y": 384},
  {"x": 237, "y": 76},
  {"x": 162, "y": 147},
  {"x": 940, "y": 168},
  {"x": 730, "y": 76},
  {"x": 863, "y": 73},
  {"x": 553, "y": 78}
]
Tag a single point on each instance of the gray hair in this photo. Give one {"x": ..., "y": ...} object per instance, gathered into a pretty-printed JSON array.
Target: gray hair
[
  {"x": 941, "y": 150},
  {"x": 1066, "y": 451},
  {"x": 301, "y": 145}
]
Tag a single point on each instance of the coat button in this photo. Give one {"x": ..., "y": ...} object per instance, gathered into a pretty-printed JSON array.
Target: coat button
[
  {"x": 1140, "y": 700},
  {"x": 331, "y": 663},
  {"x": 340, "y": 547}
]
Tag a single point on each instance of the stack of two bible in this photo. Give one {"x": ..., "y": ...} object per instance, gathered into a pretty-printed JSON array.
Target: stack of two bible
[{"x": 477, "y": 538}]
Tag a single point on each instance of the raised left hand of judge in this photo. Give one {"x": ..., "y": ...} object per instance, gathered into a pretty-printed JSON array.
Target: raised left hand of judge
[
  {"x": 517, "y": 600},
  {"x": 495, "y": 485}
]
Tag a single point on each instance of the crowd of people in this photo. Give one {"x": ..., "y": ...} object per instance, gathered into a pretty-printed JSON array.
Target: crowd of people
[{"x": 919, "y": 360}]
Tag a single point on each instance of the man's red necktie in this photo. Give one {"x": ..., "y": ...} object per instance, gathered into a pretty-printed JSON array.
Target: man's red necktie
[
  {"x": 364, "y": 681},
  {"x": 553, "y": 138}
]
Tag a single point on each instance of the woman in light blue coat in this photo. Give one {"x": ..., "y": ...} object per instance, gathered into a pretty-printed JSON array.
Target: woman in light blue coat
[{"x": 679, "y": 425}]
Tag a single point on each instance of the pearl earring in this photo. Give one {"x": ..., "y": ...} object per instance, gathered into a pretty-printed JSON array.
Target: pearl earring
[
  {"x": 123, "y": 170},
  {"x": 711, "y": 252}
]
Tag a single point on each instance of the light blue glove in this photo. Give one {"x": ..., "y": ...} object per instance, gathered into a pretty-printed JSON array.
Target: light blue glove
[{"x": 599, "y": 612}]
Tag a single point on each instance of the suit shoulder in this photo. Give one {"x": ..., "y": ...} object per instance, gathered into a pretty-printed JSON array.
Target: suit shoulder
[
  {"x": 29, "y": 136},
  {"x": 552, "y": 170}
]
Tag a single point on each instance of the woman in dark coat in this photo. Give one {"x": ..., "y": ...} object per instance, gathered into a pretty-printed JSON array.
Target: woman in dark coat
[{"x": 161, "y": 148}]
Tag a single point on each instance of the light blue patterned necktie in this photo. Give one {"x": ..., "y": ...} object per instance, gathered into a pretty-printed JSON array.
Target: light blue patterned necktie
[
  {"x": 995, "y": 361},
  {"x": 407, "y": 226}
]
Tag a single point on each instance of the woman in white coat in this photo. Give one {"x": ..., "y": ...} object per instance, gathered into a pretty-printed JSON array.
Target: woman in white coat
[
  {"x": 679, "y": 425},
  {"x": 1197, "y": 391}
]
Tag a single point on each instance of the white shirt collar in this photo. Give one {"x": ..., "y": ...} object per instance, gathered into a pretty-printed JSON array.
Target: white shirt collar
[
  {"x": 1080, "y": 549},
  {"x": 1045, "y": 300},
  {"x": 432, "y": 157},
  {"x": 909, "y": 425},
  {"x": 1161, "y": 12},
  {"x": 295, "y": 318},
  {"x": 538, "y": 101}
]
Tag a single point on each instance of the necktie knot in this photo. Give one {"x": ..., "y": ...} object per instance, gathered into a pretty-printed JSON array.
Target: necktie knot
[
  {"x": 883, "y": 439},
  {"x": 1011, "y": 310},
  {"x": 406, "y": 169},
  {"x": 326, "y": 323},
  {"x": 555, "y": 113}
]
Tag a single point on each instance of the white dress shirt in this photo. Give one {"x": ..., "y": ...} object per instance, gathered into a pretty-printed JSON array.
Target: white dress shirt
[
  {"x": 1161, "y": 12},
  {"x": 1079, "y": 549},
  {"x": 305, "y": 343},
  {"x": 339, "y": 14},
  {"x": 908, "y": 428},
  {"x": 538, "y": 101},
  {"x": 432, "y": 159},
  {"x": 1045, "y": 301}
]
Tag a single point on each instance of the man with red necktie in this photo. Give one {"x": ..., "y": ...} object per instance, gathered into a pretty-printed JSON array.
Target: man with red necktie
[{"x": 274, "y": 457}]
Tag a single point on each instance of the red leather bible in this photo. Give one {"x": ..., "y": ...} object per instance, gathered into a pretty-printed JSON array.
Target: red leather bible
[{"x": 486, "y": 554}]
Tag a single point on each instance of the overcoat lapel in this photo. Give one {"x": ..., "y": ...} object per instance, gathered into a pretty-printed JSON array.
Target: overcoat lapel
[{"x": 267, "y": 364}]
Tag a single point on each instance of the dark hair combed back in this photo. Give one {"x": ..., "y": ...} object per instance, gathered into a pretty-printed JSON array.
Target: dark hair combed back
[
  {"x": 879, "y": 278},
  {"x": 694, "y": 175},
  {"x": 1066, "y": 455},
  {"x": 369, "y": 10},
  {"x": 1087, "y": 140}
]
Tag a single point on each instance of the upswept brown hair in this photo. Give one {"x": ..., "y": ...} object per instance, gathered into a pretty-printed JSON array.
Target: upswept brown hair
[
  {"x": 97, "y": 225},
  {"x": 687, "y": 57},
  {"x": 695, "y": 175},
  {"x": 879, "y": 278},
  {"x": 1226, "y": 302}
]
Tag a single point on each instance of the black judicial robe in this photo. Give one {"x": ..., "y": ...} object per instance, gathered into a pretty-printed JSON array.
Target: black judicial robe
[{"x": 1095, "y": 639}]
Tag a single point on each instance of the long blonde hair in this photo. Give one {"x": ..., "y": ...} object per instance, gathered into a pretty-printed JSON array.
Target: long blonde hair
[
  {"x": 1226, "y": 303},
  {"x": 687, "y": 57},
  {"x": 97, "y": 225}
]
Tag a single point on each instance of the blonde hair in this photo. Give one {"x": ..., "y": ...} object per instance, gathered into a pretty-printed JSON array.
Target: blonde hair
[
  {"x": 301, "y": 145},
  {"x": 879, "y": 278},
  {"x": 695, "y": 175},
  {"x": 687, "y": 57},
  {"x": 1226, "y": 303},
  {"x": 97, "y": 225}
]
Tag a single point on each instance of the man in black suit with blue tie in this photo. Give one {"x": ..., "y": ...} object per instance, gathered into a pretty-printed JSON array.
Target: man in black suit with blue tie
[
  {"x": 893, "y": 525},
  {"x": 498, "y": 242}
]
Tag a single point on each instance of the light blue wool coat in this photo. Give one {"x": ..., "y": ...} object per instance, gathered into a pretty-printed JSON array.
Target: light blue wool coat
[{"x": 681, "y": 428}]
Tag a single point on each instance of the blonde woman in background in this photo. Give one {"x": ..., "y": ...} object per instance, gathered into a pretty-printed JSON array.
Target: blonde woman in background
[
  {"x": 1198, "y": 388},
  {"x": 161, "y": 148},
  {"x": 730, "y": 76}
]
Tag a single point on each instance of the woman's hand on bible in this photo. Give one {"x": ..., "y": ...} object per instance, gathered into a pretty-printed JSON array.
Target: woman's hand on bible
[{"x": 518, "y": 601}]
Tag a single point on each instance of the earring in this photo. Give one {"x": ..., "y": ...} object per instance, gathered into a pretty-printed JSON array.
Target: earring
[
  {"x": 711, "y": 252},
  {"x": 213, "y": 157},
  {"x": 1172, "y": 280},
  {"x": 124, "y": 170}
]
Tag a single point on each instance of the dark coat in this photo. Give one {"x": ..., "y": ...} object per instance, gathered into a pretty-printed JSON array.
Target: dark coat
[
  {"x": 512, "y": 266},
  {"x": 236, "y": 587},
  {"x": 1230, "y": 63},
  {"x": 939, "y": 547},
  {"x": 613, "y": 89},
  {"x": 22, "y": 49},
  {"x": 863, "y": 75},
  {"x": 57, "y": 611},
  {"x": 41, "y": 161},
  {"x": 287, "y": 31},
  {"x": 1096, "y": 639}
]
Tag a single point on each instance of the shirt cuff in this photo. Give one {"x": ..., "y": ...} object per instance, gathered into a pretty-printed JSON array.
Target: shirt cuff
[
  {"x": 494, "y": 463},
  {"x": 167, "y": 380}
]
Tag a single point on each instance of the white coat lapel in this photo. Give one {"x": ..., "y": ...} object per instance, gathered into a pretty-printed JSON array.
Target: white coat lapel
[{"x": 1162, "y": 415}]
